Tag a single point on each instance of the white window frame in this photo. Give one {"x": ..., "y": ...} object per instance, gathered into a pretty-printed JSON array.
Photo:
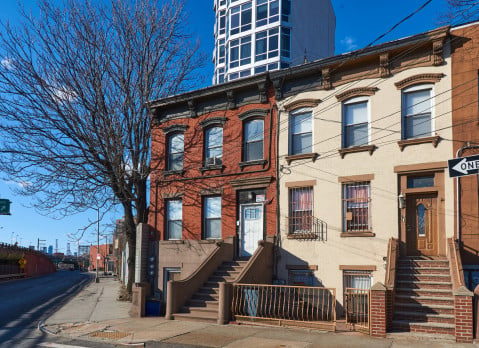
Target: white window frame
[
  {"x": 168, "y": 220},
  {"x": 356, "y": 100},
  {"x": 417, "y": 88},
  {"x": 240, "y": 11},
  {"x": 241, "y": 61},
  {"x": 171, "y": 154},
  {"x": 292, "y": 116},
  {"x": 269, "y": 35},
  {"x": 268, "y": 19},
  {"x": 208, "y": 234},
  {"x": 246, "y": 142},
  {"x": 209, "y": 147}
]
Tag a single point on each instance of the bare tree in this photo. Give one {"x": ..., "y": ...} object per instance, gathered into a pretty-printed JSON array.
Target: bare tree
[
  {"x": 459, "y": 11},
  {"x": 74, "y": 83}
]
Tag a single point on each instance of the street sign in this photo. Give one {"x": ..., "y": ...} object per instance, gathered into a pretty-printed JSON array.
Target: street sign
[
  {"x": 4, "y": 207},
  {"x": 463, "y": 166},
  {"x": 98, "y": 257}
]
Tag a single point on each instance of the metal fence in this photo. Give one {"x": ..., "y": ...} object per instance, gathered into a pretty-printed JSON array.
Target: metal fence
[
  {"x": 285, "y": 305},
  {"x": 357, "y": 309}
]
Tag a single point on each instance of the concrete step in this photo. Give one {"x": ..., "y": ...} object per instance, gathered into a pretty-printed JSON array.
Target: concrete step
[
  {"x": 211, "y": 304},
  {"x": 424, "y": 277},
  {"x": 195, "y": 317},
  {"x": 440, "y": 328},
  {"x": 425, "y": 300},
  {"x": 416, "y": 284},
  {"x": 423, "y": 263},
  {"x": 424, "y": 292},
  {"x": 421, "y": 317},
  {"x": 429, "y": 309},
  {"x": 422, "y": 270}
]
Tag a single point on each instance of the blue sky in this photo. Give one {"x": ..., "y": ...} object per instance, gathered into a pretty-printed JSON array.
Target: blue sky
[{"x": 357, "y": 24}]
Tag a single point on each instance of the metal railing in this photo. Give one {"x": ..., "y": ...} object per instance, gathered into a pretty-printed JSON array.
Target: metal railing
[
  {"x": 357, "y": 309},
  {"x": 285, "y": 305},
  {"x": 307, "y": 227}
]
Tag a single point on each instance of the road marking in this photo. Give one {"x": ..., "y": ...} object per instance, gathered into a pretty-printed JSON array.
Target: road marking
[{"x": 56, "y": 345}]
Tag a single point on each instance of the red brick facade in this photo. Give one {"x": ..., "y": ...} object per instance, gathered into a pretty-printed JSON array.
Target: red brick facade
[
  {"x": 465, "y": 115},
  {"x": 195, "y": 181},
  {"x": 378, "y": 310},
  {"x": 463, "y": 318}
]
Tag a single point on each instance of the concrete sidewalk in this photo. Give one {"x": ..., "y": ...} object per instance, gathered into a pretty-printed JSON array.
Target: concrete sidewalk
[{"x": 95, "y": 314}]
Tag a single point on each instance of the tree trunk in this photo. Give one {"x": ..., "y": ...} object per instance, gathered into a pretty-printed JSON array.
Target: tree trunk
[{"x": 131, "y": 237}]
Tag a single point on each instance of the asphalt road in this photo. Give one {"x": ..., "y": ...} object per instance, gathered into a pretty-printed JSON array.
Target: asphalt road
[{"x": 26, "y": 302}]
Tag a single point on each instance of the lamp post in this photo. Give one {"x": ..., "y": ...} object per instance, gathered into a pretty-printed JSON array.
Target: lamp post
[{"x": 97, "y": 279}]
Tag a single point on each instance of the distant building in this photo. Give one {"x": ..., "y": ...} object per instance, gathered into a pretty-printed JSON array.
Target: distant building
[
  {"x": 50, "y": 249},
  {"x": 253, "y": 36},
  {"x": 44, "y": 250}
]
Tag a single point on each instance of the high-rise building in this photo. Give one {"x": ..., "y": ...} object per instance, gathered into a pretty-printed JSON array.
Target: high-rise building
[{"x": 253, "y": 36}]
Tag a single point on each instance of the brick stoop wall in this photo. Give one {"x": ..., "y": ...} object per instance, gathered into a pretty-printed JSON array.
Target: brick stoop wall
[
  {"x": 378, "y": 310},
  {"x": 463, "y": 312}
]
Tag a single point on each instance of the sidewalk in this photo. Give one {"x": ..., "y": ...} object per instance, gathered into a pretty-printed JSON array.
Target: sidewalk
[{"x": 94, "y": 314}]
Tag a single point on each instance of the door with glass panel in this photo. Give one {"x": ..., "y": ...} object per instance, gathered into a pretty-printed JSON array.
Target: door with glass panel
[
  {"x": 251, "y": 228},
  {"x": 421, "y": 224}
]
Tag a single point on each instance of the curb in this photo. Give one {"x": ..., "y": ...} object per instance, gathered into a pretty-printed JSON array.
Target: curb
[{"x": 42, "y": 328}]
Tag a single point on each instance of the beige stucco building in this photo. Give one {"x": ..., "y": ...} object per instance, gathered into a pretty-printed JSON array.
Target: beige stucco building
[{"x": 377, "y": 131}]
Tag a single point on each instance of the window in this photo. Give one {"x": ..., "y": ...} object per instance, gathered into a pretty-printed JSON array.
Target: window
[
  {"x": 356, "y": 207},
  {"x": 301, "y": 277},
  {"x": 213, "y": 146},
  {"x": 240, "y": 52},
  {"x": 285, "y": 10},
  {"x": 300, "y": 128},
  {"x": 221, "y": 52},
  {"x": 355, "y": 122},
  {"x": 266, "y": 44},
  {"x": 300, "y": 209},
  {"x": 221, "y": 75},
  {"x": 417, "y": 107},
  {"x": 420, "y": 181},
  {"x": 357, "y": 279},
  {"x": 176, "y": 148},
  {"x": 240, "y": 18},
  {"x": 174, "y": 217},
  {"x": 267, "y": 11},
  {"x": 285, "y": 42},
  {"x": 222, "y": 22},
  {"x": 212, "y": 217},
  {"x": 253, "y": 140}
]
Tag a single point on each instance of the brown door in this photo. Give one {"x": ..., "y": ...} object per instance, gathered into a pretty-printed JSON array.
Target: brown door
[{"x": 421, "y": 224}]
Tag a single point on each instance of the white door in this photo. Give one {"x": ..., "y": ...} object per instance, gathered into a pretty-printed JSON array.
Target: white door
[{"x": 251, "y": 228}]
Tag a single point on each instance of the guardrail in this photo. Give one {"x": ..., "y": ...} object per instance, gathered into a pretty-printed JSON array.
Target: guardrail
[{"x": 285, "y": 305}]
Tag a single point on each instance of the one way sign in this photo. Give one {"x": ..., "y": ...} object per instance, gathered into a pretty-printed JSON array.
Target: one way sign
[{"x": 463, "y": 166}]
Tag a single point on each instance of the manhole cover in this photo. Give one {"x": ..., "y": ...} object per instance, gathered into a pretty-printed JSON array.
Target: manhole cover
[{"x": 111, "y": 335}]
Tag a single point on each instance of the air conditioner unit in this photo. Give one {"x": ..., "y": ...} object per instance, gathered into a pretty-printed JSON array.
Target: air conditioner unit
[{"x": 213, "y": 161}]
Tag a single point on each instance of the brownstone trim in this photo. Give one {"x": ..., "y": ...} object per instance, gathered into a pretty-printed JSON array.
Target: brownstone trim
[
  {"x": 357, "y": 267},
  {"x": 172, "y": 195},
  {"x": 301, "y": 103},
  {"x": 357, "y": 234},
  {"x": 432, "y": 166},
  {"x": 311, "y": 156},
  {"x": 433, "y": 140},
  {"x": 249, "y": 183},
  {"x": 363, "y": 148},
  {"x": 260, "y": 113},
  {"x": 211, "y": 192},
  {"x": 417, "y": 79},
  {"x": 308, "y": 267},
  {"x": 304, "y": 183},
  {"x": 213, "y": 121},
  {"x": 355, "y": 178},
  {"x": 176, "y": 128},
  {"x": 356, "y": 92}
]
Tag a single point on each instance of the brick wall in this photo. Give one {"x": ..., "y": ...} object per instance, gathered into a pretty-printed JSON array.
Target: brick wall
[
  {"x": 378, "y": 310},
  {"x": 463, "y": 315}
]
